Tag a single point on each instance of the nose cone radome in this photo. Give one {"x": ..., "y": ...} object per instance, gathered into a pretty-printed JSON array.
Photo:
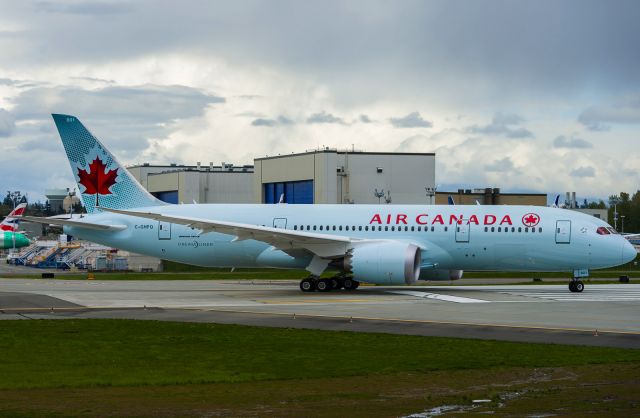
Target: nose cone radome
[{"x": 629, "y": 253}]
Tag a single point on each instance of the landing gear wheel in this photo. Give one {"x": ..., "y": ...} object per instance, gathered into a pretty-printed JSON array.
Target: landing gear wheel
[
  {"x": 308, "y": 285},
  {"x": 324, "y": 285},
  {"x": 578, "y": 286},
  {"x": 338, "y": 283},
  {"x": 350, "y": 284}
]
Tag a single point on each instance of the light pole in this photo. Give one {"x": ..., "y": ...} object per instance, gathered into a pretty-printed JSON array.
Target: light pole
[
  {"x": 622, "y": 217},
  {"x": 14, "y": 196}
]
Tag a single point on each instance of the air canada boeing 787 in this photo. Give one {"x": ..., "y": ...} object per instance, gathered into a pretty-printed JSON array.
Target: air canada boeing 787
[{"x": 380, "y": 244}]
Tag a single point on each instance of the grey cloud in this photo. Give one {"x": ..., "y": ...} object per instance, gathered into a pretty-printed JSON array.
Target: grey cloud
[
  {"x": 279, "y": 121},
  {"x": 500, "y": 166},
  {"x": 94, "y": 79},
  {"x": 502, "y": 124},
  {"x": 127, "y": 116},
  {"x": 564, "y": 142},
  {"x": 98, "y": 8},
  {"x": 365, "y": 119},
  {"x": 45, "y": 144},
  {"x": 324, "y": 117},
  {"x": 412, "y": 120},
  {"x": 509, "y": 49},
  {"x": 583, "y": 172},
  {"x": 596, "y": 118},
  {"x": 7, "y": 123},
  {"x": 148, "y": 103}
]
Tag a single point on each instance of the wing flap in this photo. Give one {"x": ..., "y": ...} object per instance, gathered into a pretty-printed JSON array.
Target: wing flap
[{"x": 323, "y": 245}]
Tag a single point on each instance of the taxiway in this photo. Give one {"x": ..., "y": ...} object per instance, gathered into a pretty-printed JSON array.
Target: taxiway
[{"x": 601, "y": 315}]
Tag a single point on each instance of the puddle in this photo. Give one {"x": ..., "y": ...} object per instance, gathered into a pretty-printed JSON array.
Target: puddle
[{"x": 440, "y": 410}]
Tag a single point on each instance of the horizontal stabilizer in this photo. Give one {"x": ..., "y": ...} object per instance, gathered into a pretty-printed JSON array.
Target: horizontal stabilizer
[{"x": 74, "y": 223}]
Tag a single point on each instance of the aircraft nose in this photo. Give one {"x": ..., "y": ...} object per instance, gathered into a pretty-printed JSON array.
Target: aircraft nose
[{"x": 629, "y": 253}]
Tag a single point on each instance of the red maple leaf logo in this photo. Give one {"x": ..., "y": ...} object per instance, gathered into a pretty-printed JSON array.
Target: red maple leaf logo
[
  {"x": 530, "y": 219},
  {"x": 97, "y": 180}
]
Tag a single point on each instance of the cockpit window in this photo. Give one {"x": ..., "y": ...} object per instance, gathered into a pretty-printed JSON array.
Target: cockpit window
[
  {"x": 603, "y": 231},
  {"x": 613, "y": 231}
]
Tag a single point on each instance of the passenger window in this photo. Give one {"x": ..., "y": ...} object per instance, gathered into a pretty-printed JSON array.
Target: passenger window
[
  {"x": 314, "y": 227},
  {"x": 446, "y": 228},
  {"x": 526, "y": 229},
  {"x": 340, "y": 227},
  {"x": 334, "y": 227},
  {"x": 321, "y": 227},
  {"x": 493, "y": 229},
  {"x": 386, "y": 228},
  {"x": 413, "y": 228},
  {"x": 366, "y": 227},
  {"x": 540, "y": 229},
  {"x": 432, "y": 229},
  {"x": 513, "y": 229},
  {"x": 499, "y": 229},
  {"x": 393, "y": 228},
  {"x": 379, "y": 228},
  {"x": 360, "y": 228},
  {"x": 295, "y": 227},
  {"x": 486, "y": 229},
  {"x": 520, "y": 229},
  {"x": 420, "y": 228}
]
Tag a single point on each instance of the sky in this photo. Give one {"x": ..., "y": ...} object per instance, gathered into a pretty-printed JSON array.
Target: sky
[{"x": 529, "y": 96}]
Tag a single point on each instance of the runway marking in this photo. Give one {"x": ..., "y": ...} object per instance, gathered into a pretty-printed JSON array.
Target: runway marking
[
  {"x": 589, "y": 295},
  {"x": 326, "y": 301},
  {"x": 436, "y": 296}
]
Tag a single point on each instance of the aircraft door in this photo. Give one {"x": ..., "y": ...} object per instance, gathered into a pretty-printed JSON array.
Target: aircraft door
[
  {"x": 164, "y": 230},
  {"x": 280, "y": 223},
  {"x": 563, "y": 232},
  {"x": 462, "y": 232}
]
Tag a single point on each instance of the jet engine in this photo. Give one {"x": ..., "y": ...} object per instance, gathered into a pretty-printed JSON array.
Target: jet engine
[{"x": 384, "y": 263}]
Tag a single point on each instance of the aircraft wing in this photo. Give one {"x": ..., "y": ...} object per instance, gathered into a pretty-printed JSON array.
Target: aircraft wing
[
  {"x": 76, "y": 223},
  {"x": 322, "y": 245}
]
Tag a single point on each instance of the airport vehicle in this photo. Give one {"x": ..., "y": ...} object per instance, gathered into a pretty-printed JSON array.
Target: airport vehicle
[
  {"x": 381, "y": 244},
  {"x": 9, "y": 235}
]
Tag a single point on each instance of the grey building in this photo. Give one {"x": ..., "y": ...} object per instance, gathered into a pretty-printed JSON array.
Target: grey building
[
  {"x": 203, "y": 184},
  {"x": 332, "y": 176}
]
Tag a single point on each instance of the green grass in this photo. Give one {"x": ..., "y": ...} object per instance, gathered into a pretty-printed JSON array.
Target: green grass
[{"x": 81, "y": 353}]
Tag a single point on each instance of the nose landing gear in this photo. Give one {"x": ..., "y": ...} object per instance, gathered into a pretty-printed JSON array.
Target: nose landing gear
[{"x": 576, "y": 286}]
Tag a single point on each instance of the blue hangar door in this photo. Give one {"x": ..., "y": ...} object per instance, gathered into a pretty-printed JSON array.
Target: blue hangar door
[{"x": 292, "y": 192}]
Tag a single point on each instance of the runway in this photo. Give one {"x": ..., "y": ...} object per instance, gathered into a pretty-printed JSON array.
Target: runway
[{"x": 601, "y": 315}]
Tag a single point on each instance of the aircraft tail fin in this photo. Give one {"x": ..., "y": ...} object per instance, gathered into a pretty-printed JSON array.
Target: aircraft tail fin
[
  {"x": 11, "y": 222},
  {"x": 450, "y": 201},
  {"x": 102, "y": 180}
]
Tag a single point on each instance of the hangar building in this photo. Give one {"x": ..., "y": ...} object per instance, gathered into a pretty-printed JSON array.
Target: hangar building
[
  {"x": 490, "y": 196},
  {"x": 203, "y": 184},
  {"x": 332, "y": 176}
]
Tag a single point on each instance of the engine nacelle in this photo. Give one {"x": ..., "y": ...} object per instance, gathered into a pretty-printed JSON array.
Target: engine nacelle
[
  {"x": 441, "y": 275},
  {"x": 384, "y": 263}
]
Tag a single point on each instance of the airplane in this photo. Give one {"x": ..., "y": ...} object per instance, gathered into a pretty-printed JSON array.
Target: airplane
[
  {"x": 9, "y": 235},
  {"x": 377, "y": 244}
]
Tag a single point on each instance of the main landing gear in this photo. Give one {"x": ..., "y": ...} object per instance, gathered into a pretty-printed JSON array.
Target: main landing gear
[
  {"x": 313, "y": 283},
  {"x": 576, "y": 286}
]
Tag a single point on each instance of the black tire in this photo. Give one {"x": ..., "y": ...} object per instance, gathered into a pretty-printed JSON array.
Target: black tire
[
  {"x": 578, "y": 286},
  {"x": 324, "y": 285},
  {"x": 339, "y": 284},
  {"x": 349, "y": 284},
  {"x": 356, "y": 283},
  {"x": 572, "y": 287},
  {"x": 308, "y": 285}
]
